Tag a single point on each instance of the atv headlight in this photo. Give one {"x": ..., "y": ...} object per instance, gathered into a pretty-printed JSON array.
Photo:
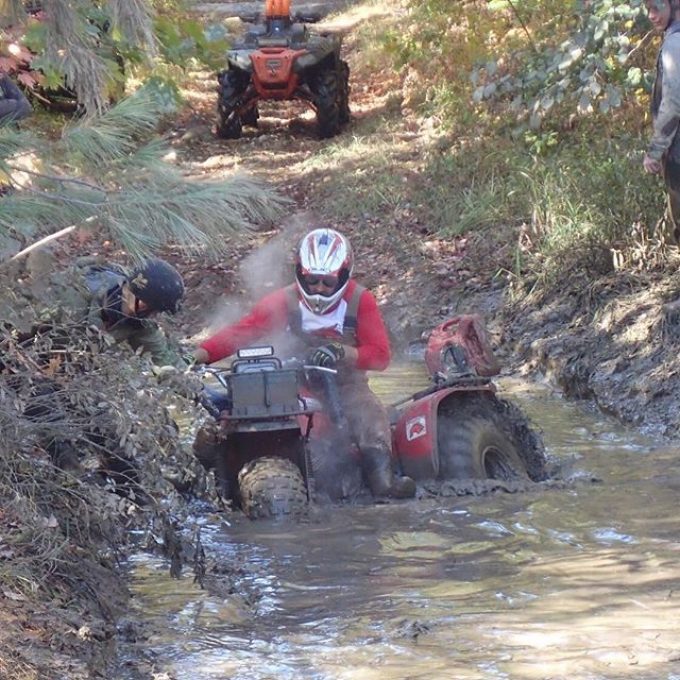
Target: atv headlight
[{"x": 255, "y": 352}]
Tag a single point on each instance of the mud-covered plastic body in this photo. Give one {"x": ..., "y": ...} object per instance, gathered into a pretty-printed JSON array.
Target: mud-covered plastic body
[
  {"x": 281, "y": 59},
  {"x": 459, "y": 428},
  {"x": 260, "y": 414},
  {"x": 461, "y": 343}
]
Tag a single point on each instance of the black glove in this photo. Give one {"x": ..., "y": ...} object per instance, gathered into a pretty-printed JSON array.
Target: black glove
[{"x": 327, "y": 356}]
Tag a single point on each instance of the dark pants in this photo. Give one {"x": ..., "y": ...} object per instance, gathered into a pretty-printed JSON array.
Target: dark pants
[
  {"x": 672, "y": 179},
  {"x": 367, "y": 417}
]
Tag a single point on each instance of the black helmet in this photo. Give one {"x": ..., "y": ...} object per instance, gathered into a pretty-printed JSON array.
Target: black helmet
[{"x": 158, "y": 284}]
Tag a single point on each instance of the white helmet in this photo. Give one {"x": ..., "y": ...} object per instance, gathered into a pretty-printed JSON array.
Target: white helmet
[{"x": 323, "y": 253}]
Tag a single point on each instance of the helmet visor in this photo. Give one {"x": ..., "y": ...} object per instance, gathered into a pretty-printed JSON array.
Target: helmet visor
[{"x": 320, "y": 285}]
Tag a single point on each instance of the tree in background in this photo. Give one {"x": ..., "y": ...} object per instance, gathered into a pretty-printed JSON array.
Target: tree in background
[{"x": 110, "y": 172}]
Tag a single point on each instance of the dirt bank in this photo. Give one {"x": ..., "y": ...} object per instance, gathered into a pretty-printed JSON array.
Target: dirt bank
[{"x": 614, "y": 340}]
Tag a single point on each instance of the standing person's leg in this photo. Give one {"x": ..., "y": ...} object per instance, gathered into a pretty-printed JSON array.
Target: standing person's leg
[{"x": 672, "y": 180}]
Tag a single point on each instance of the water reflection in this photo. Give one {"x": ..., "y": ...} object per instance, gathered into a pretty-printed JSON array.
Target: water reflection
[{"x": 580, "y": 582}]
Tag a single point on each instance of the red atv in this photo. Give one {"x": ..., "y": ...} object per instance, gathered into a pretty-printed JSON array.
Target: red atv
[
  {"x": 273, "y": 444},
  {"x": 281, "y": 59}
]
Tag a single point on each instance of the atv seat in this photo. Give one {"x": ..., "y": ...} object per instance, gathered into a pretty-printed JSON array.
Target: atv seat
[
  {"x": 260, "y": 36},
  {"x": 254, "y": 34}
]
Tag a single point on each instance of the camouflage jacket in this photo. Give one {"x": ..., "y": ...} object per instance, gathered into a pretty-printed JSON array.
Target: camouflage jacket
[{"x": 83, "y": 294}]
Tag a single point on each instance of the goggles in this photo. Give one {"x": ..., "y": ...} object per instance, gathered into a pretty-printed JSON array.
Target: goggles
[{"x": 325, "y": 281}]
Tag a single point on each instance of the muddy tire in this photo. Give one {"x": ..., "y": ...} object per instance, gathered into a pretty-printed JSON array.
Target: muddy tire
[
  {"x": 482, "y": 437},
  {"x": 272, "y": 487},
  {"x": 229, "y": 124},
  {"x": 326, "y": 90},
  {"x": 343, "y": 94}
]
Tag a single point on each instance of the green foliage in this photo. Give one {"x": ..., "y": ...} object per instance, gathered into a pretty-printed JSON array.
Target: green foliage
[
  {"x": 110, "y": 172},
  {"x": 584, "y": 69},
  {"x": 562, "y": 199},
  {"x": 183, "y": 39},
  {"x": 443, "y": 38},
  {"x": 530, "y": 58}
]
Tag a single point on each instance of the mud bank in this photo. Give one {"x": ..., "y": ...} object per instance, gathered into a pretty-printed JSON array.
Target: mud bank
[{"x": 613, "y": 340}]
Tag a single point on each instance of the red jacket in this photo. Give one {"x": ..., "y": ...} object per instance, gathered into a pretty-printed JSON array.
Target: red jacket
[{"x": 270, "y": 314}]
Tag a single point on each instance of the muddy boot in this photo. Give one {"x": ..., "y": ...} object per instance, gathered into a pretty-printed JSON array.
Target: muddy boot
[
  {"x": 377, "y": 466},
  {"x": 402, "y": 487}
]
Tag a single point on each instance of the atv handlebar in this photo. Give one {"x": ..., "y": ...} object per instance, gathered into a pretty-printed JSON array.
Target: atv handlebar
[{"x": 293, "y": 363}]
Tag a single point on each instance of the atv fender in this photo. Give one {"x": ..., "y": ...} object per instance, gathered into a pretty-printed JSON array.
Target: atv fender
[{"x": 414, "y": 436}]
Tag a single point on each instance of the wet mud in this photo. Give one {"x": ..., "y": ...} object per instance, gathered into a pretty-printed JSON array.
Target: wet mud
[{"x": 570, "y": 579}]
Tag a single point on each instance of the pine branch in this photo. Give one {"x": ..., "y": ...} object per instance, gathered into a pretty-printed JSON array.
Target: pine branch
[
  {"x": 71, "y": 45},
  {"x": 114, "y": 134},
  {"x": 108, "y": 172},
  {"x": 53, "y": 178},
  {"x": 143, "y": 217},
  {"x": 87, "y": 74},
  {"x": 134, "y": 20},
  {"x": 14, "y": 141},
  {"x": 195, "y": 215}
]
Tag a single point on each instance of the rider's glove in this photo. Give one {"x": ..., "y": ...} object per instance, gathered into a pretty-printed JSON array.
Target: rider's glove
[{"x": 327, "y": 356}]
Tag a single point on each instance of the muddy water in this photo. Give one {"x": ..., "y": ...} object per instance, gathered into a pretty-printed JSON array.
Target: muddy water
[{"x": 582, "y": 582}]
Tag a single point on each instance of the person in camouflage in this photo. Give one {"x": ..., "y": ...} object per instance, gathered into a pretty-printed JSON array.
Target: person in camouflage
[
  {"x": 90, "y": 295},
  {"x": 92, "y": 292},
  {"x": 663, "y": 152},
  {"x": 121, "y": 303}
]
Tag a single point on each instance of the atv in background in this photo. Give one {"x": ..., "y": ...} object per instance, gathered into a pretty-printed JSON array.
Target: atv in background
[{"x": 280, "y": 59}]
